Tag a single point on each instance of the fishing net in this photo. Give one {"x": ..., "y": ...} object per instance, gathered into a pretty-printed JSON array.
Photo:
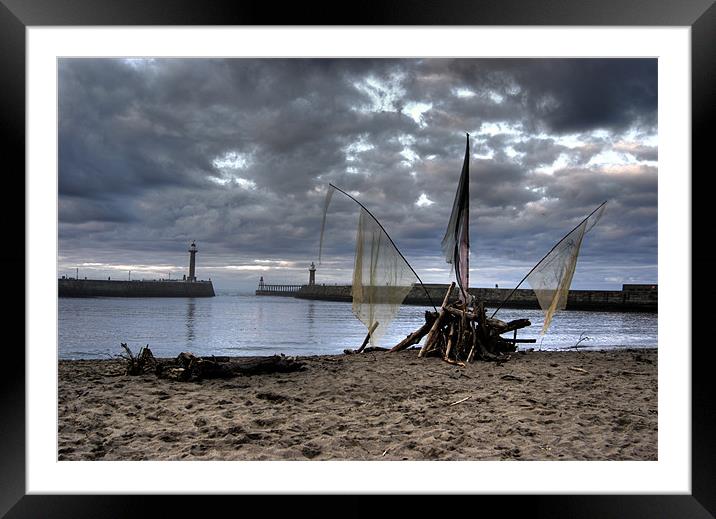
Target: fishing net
[
  {"x": 552, "y": 276},
  {"x": 381, "y": 277}
]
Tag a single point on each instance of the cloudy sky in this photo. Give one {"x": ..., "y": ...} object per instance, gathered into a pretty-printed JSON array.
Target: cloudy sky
[{"x": 237, "y": 155}]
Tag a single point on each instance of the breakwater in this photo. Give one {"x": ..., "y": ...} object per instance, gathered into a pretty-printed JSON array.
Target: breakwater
[
  {"x": 632, "y": 298},
  {"x": 67, "y": 287},
  {"x": 278, "y": 290}
]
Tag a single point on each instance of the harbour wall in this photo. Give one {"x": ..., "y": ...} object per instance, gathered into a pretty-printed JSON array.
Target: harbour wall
[
  {"x": 632, "y": 298},
  {"x": 278, "y": 290},
  {"x": 114, "y": 288}
]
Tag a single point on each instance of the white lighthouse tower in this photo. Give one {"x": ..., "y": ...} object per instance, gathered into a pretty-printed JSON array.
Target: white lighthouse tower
[
  {"x": 192, "y": 262},
  {"x": 312, "y": 275}
]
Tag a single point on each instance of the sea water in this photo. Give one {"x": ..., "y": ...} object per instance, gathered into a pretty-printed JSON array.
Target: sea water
[{"x": 236, "y": 324}]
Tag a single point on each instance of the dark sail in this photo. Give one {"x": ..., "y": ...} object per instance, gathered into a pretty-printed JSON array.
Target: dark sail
[{"x": 456, "y": 242}]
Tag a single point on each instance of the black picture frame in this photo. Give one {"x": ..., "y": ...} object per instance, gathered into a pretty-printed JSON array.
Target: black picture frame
[{"x": 17, "y": 15}]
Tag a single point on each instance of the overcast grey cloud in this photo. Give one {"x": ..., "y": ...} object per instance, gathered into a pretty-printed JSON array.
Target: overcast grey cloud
[{"x": 237, "y": 154}]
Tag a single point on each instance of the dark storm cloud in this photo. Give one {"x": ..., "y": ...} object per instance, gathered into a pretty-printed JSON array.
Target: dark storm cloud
[
  {"x": 594, "y": 93},
  {"x": 571, "y": 95},
  {"x": 237, "y": 154},
  {"x": 541, "y": 152}
]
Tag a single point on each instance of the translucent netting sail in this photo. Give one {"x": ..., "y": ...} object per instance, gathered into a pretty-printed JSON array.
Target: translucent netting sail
[
  {"x": 381, "y": 277},
  {"x": 552, "y": 276}
]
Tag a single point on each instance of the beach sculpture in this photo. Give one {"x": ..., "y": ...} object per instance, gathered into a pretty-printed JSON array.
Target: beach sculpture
[
  {"x": 459, "y": 331},
  {"x": 462, "y": 331}
]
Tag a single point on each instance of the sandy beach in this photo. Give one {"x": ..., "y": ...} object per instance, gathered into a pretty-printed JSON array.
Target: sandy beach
[{"x": 567, "y": 405}]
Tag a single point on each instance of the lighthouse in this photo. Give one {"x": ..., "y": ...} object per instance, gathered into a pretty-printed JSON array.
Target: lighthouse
[
  {"x": 312, "y": 275},
  {"x": 192, "y": 262}
]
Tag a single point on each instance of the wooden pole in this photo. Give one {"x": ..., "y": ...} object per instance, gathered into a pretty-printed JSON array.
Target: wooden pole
[
  {"x": 474, "y": 342},
  {"x": 449, "y": 342},
  {"x": 436, "y": 324}
]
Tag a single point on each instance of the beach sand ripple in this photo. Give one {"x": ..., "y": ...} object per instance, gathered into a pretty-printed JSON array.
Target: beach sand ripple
[{"x": 591, "y": 405}]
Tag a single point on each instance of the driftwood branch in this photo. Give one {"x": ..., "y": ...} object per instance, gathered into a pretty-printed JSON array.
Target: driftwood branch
[
  {"x": 414, "y": 338},
  {"x": 436, "y": 324},
  {"x": 186, "y": 366},
  {"x": 516, "y": 325},
  {"x": 144, "y": 362},
  {"x": 367, "y": 337}
]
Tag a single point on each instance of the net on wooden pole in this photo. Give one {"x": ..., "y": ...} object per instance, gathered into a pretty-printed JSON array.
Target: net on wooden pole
[
  {"x": 381, "y": 277},
  {"x": 552, "y": 276}
]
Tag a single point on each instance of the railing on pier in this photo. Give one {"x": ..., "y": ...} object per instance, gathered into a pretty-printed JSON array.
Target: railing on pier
[{"x": 266, "y": 290}]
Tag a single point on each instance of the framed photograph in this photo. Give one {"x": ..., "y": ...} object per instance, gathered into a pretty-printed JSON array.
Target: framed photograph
[{"x": 638, "y": 77}]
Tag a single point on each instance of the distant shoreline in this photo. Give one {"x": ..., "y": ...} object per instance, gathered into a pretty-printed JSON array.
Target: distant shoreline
[{"x": 632, "y": 298}]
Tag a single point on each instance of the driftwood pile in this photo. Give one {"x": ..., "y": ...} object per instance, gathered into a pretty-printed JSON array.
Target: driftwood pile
[
  {"x": 460, "y": 333},
  {"x": 188, "y": 367}
]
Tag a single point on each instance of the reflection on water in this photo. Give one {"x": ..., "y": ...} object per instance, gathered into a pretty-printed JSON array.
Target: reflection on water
[
  {"x": 260, "y": 316},
  {"x": 256, "y": 325},
  {"x": 190, "y": 309},
  {"x": 310, "y": 318}
]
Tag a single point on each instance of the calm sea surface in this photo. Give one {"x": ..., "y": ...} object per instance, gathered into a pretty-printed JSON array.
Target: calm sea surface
[{"x": 232, "y": 324}]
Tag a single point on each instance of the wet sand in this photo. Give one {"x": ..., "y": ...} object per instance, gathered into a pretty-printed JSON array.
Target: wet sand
[{"x": 570, "y": 405}]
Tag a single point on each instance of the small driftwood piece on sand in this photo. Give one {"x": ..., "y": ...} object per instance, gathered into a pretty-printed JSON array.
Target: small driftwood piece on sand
[
  {"x": 460, "y": 333},
  {"x": 580, "y": 370},
  {"x": 186, "y": 366},
  {"x": 460, "y": 401}
]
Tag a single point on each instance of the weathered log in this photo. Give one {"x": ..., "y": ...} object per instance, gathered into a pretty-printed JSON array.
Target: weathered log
[
  {"x": 496, "y": 324},
  {"x": 418, "y": 334},
  {"x": 273, "y": 364},
  {"x": 189, "y": 367},
  {"x": 186, "y": 359},
  {"x": 516, "y": 325},
  {"x": 436, "y": 324}
]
